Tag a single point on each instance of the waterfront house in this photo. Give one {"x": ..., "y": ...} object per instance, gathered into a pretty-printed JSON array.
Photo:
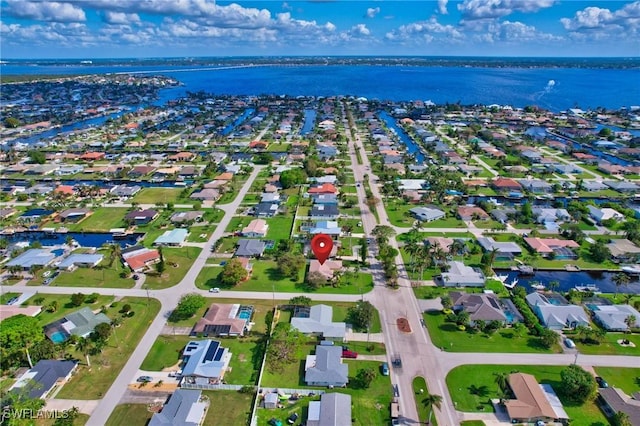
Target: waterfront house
[
  {"x": 333, "y": 409},
  {"x": 427, "y": 214},
  {"x": 125, "y": 191},
  {"x": 615, "y": 317},
  {"x": 69, "y": 169},
  {"x": 600, "y": 215},
  {"x": 35, "y": 215},
  {"x": 537, "y": 186},
  {"x": 45, "y": 376},
  {"x": 185, "y": 407},
  {"x": 325, "y": 368},
  {"x": 622, "y": 186},
  {"x": 623, "y": 250},
  {"x": 317, "y": 320},
  {"x": 558, "y": 315},
  {"x": 223, "y": 320},
  {"x": 505, "y": 185},
  {"x": 73, "y": 215},
  {"x": 533, "y": 402},
  {"x": 460, "y": 275},
  {"x": 204, "y": 363},
  {"x": 594, "y": 185},
  {"x": 141, "y": 217},
  {"x": 172, "y": 238},
  {"x": 504, "y": 250},
  {"x": 80, "y": 260},
  {"x": 553, "y": 247},
  {"x": 32, "y": 258}
]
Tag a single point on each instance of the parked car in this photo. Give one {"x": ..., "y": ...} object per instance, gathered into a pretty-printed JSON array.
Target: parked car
[
  {"x": 349, "y": 354},
  {"x": 144, "y": 379},
  {"x": 601, "y": 382},
  {"x": 569, "y": 343},
  {"x": 274, "y": 422},
  {"x": 385, "y": 369},
  {"x": 135, "y": 277},
  {"x": 214, "y": 290},
  {"x": 292, "y": 418}
]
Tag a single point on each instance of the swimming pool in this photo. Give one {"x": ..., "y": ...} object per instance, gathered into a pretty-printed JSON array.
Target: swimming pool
[
  {"x": 245, "y": 312},
  {"x": 58, "y": 252},
  {"x": 58, "y": 337}
]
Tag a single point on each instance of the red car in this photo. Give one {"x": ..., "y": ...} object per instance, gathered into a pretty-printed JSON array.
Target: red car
[{"x": 349, "y": 354}]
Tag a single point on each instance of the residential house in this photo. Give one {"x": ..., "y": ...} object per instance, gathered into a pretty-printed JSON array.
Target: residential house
[
  {"x": 325, "y": 199},
  {"x": 80, "y": 260},
  {"x": 35, "y": 215},
  {"x": 502, "y": 214},
  {"x": 553, "y": 247},
  {"x": 187, "y": 217},
  {"x": 470, "y": 212},
  {"x": 265, "y": 209},
  {"x": 257, "y": 228},
  {"x": 317, "y": 320},
  {"x": 557, "y": 315},
  {"x": 139, "y": 258},
  {"x": 250, "y": 248},
  {"x": 172, "y": 238},
  {"x": 333, "y": 409},
  {"x": 80, "y": 323},
  {"x": 622, "y": 186},
  {"x": 505, "y": 185},
  {"x": 181, "y": 156},
  {"x": 329, "y": 227},
  {"x": 615, "y": 401},
  {"x": 39, "y": 189},
  {"x": 533, "y": 402},
  {"x": 185, "y": 407},
  {"x": 536, "y": 186},
  {"x": 615, "y": 317},
  {"x": 324, "y": 212},
  {"x": 204, "y": 363},
  {"x": 600, "y": 215},
  {"x": 325, "y": 368},
  {"x": 443, "y": 242},
  {"x": 427, "y": 214},
  {"x": 141, "y": 217},
  {"x": 139, "y": 171},
  {"x": 623, "y": 250},
  {"x": 460, "y": 275},
  {"x": 92, "y": 156},
  {"x": 550, "y": 215},
  {"x": 32, "y": 258},
  {"x": 325, "y": 188},
  {"x": 46, "y": 375},
  {"x": 208, "y": 194},
  {"x": 270, "y": 197},
  {"x": 479, "y": 306},
  {"x": 125, "y": 191},
  {"x": 73, "y": 215},
  {"x": 504, "y": 250},
  {"x": 223, "y": 320},
  {"x": 8, "y": 311},
  {"x": 327, "y": 152},
  {"x": 327, "y": 269},
  {"x": 69, "y": 169}
]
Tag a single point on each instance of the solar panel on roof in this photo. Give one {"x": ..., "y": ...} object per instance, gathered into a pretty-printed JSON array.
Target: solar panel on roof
[
  {"x": 211, "y": 351},
  {"x": 219, "y": 354}
]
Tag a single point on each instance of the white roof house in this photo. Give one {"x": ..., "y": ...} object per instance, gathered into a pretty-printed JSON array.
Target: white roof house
[
  {"x": 605, "y": 213},
  {"x": 613, "y": 317},
  {"x": 319, "y": 320},
  {"x": 556, "y": 316},
  {"x": 460, "y": 275},
  {"x": 174, "y": 237}
]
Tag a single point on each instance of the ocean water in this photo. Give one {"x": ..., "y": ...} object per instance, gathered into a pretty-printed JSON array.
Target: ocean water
[{"x": 553, "y": 88}]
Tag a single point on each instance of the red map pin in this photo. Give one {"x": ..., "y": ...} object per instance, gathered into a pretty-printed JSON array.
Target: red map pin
[{"x": 322, "y": 244}]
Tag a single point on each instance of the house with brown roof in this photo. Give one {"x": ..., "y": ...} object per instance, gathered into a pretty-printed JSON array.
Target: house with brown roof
[
  {"x": 506, "y": 185},
  {"x": 226, "y": 176},
  {"x": 561, "y": 249},
  {"x": 139, "y": 258},
  {"x": 327, "y": 269},
  {"x": 221, "y": 320},
  {"x": 479, "y": 306},
  {"x": 325, "y": 188},
  {"x": 182, "y": 156},
  {"x": 257, "y": 228},
  {"x": 65, "y": 190},
  {"x": 533, "y": 401},
  {"x": 92, "y": 156},
  {"x": 258, "y": 145},
  {"x": 468, "y": 213}
]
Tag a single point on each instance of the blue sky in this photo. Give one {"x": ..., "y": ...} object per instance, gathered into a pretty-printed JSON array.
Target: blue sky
[{"x": 157, "y": 28}]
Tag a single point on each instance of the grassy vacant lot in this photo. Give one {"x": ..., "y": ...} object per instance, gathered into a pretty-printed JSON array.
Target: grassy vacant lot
[
  {"x": 233, "y": 407},
  {"x": 64, "y": 305},
  {"x": 157, "y": 195},
  {"x": 92, "y": 383},
  {"x": 369, "y": 406},
  {"x": 132, "y": 414},
  {"x": 461, "y": 379},
  {"x": 279, "y": 228},
  {"x": 627, "y": 379},
  {"x": 610, "y": 346},
  {"x": 447, "y": 336},
  {"x": 245, "y": 362},
  {"x": 237, "y": 223},
  {"x": 101, "y": 276},
  {"x": 183, "y": 257},
  {"x": 398, "y": 212},
  {"x": 102, "y": 219}
]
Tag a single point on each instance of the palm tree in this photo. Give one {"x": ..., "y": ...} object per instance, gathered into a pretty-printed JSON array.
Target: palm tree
[
  {"x": 430, "y": 401},
  {"x": 553, "y": 285},
  {"x": 620, "y": 279},
  {"x": 501, "y": 379},
  {"x": 630, "y": 320},
  {"x": 84, "y": 345},
  {"x": 458, "y": 247}
]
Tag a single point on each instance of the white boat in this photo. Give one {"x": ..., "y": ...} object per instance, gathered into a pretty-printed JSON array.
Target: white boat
[
  {"x": 538, "y": 286},
  {"x": 631, "y": 269},
  {"x": 512, "y": 284},
  {"x": 501, "y": 278},
  {"x": 588, "y": 287}
]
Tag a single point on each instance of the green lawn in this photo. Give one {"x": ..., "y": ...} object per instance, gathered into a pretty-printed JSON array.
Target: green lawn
[
  {"x": 627, "y": 379},
  {"x": 165, "y": 352},
  {"x": 447, "y": 336},
  {"x": 237, "y": 223},
  {"x": 182, "y": 257},
  {"x": 279, "y": 227},
  {"x": 610, "y": 345},
  {"x": 157, "y": 195},
  {"x": 460, "y": 380},
  {"x": 133, "y": 414},
  {"x": 64, "y": 305},
  {"x": 4, "y": 298},
  {"x": 398, "y": 212},
  {"x": 102, "y": 220},
  {"x": 420, "y": 391},
  {"x": 101, "y": 276},
  {"x": 92, "y": 383},
  {"x": 233, "y": 406},
  {"x": 449, "y": 222}
]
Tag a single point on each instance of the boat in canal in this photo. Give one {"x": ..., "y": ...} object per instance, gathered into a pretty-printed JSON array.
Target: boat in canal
[
  {"x": 512, "y": 284},
  {"x": 631, "y": 269},
  {"x": 538, "y": 286},
  {"x": 588, "y": 288}
]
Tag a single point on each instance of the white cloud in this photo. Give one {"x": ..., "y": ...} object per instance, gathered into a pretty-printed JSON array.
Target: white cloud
[
  {"x": 286, "y": 6},
  {"x": 425, "y": 31},
  {"x": 515, "y": 33},
  {"x": 491, "y": 9},
  {"x": 121, "y": 18},
  {"x": 372, "y": 12},
  {"x": 360, "y": 30},
  {"x": 625, "y": 21},
  {"x": 442, "y": 6},
  {"x": 45, "y": 11}
]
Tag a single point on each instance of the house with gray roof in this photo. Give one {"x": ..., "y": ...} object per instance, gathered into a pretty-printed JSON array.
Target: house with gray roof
[
  {"x": 324, "y": 211},
  {"x": 250, "y": 248},
  {"x": 32, "y": 257},
  {"x": 593, "y": 185},
  {"x": 546, "y": 214},
  {"x": 324, "y": 198},
  {"x": 325, "y": 368},
  {"x": 329, "y": 227},
  {"x": 80, "y": 323},
  {"x": 80, "y": 260},
  {"x": 460, "y": 275},
  {"x": 73, "y": 215},
  {"x": 614, "y": 317},
  {"x": 480, "y": 306},
  {"x": 426, "y": 214},
  {"x": 173, "y": 238},
  {"x": 204, "y": 362},
  {"x": 46, "y": 375},
  {"x": 616, "y": 401},
  {"x": 125, "y": 191},
  {"x": 185, "y": 408},
  {"x": 318, "y": 320},
  {"x": 504, "y": 250},
  {"x": 621, "y": 186},
  {"x": 558, "y": 315},
  {"x": 190, "y": 216},
  {"x": 333, "y": 409},
  {"x": 537, "y": 186},
  {"x": 502, "y": 214},
  {"x": 265, "y": 210}
]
